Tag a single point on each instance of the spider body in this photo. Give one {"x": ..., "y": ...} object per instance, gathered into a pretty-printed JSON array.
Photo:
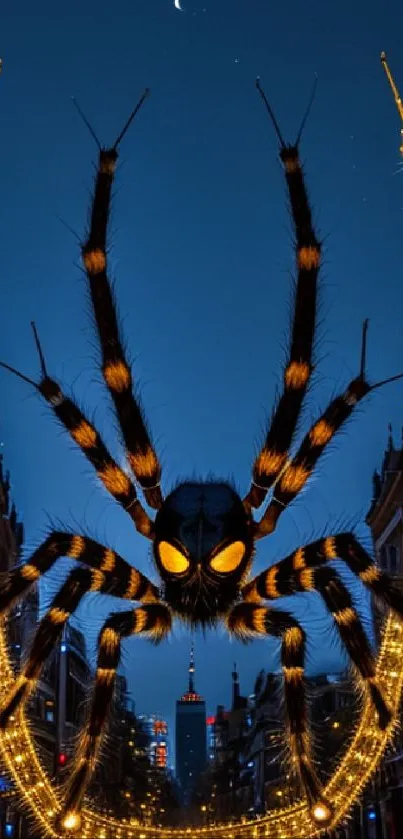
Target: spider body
[
  {"x": 203, "y": 533},
  {"x": 202, "y": 547}
]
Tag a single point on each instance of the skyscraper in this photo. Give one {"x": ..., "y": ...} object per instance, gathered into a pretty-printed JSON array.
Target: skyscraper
[
  {"x": 152, "y": 734},
  {"x": 191, "y": 751}
]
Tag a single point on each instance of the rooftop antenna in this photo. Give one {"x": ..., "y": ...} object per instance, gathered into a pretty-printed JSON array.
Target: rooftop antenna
[
  {"x": 192, "y": 669},
  {"x": 396, "y": 94}
]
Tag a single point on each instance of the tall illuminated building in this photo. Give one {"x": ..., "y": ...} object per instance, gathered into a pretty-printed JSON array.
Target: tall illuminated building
[
  {"x": 152, "y": 734},
  {"x": 160, "y": 744},
  {"x": 190, "y": 736}
]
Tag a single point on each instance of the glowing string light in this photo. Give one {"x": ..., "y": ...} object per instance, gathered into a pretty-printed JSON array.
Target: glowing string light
[{"x": 355, "y": 768}]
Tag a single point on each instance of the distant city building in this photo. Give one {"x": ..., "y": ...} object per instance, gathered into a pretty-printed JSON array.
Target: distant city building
[
  {"x": 112, "y": 777},
  {"x": 11, "y": 539},
  {"x": 190, "y": 737},
  {"x": 152, "y": 733},
  {"x": 381, "y": 810},
  {"x": 56, "y": 709},
  {"x": 225, "y": 788},
  {"x": 74, "y": 676},
  {"x": 211, "y": 736},
  {"x": 248, "y": 775},
  {"x": 159, "y": 756},
  {"x": 385, "y": 516}
]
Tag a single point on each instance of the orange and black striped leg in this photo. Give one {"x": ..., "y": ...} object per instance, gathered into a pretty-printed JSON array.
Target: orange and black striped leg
[
  {"x": 79, "y": 582},
  {"x": 295, "y": 475},
  {"x": 253, "y": 619},
  {"x": 337, "y": 598},
  {"x": 153, "y": 621},
  {"x": 346, "y": 547},
  {"x": 115, "y": 368},
  {"x": 279, "y": 579},
  {"x": 126, "y": 580},
  {"x": 273, "y": 455},
  {"x": 305, "y": 570},
  {"x": 85, "y": 435}
]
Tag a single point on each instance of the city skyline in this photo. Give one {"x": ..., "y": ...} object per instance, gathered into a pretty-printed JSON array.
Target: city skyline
[{"x": 202, "y": 257}]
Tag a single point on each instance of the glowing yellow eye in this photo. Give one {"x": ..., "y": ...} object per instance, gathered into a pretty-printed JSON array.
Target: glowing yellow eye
[
  {"x": 173, "y": 560},
  {"x": 228, "y": 560}
]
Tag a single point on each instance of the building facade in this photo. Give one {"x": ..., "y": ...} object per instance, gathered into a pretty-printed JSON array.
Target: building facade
[
  {"x": 57, "y": 708},
  {"x": 153, "y": 733},
  {"x": 382, "y": 806},
  {"x": 248, "y": 775},
  {"x": 11, "y": 539}
]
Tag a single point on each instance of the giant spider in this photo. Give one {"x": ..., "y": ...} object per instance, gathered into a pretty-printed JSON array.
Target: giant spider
[{"x": 203, "y": 534}]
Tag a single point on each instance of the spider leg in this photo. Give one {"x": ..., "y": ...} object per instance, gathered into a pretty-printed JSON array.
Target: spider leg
[
  {"x": 297, "y": 471},
  {"x": 154, "y": 621},
  {"x": 346, "y": 547},
  {"x": 129, "y": 582},
  {"x": 255, "y": 619},
  {"x": 116, "y": 371},
  {"x": 299, "y": 366},
  {"x": 338, "y": 600},
  {"x": 85, "y": 435},
  {"x": 279, "y": 579},
  {"x": 303, "y": 571},
  {"x": 79, "y": 582}
]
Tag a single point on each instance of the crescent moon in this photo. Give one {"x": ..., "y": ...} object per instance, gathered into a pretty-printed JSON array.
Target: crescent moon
[{"x": 178, "y": 6}]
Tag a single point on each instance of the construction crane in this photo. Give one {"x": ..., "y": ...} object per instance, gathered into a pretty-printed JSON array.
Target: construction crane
[{"x": 396, "y": 95}]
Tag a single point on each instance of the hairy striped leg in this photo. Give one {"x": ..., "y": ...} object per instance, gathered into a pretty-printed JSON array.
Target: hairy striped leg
[
  {"x": 339, "y": 602},
  {"x": 295, "y": 475},
  {"x": 85, "y": 435},
  {"x": 79, "y": 582},
  {"x": 275, "y": 581},
  {"x": 131, "y": 583},
  {"x": 297, "y": 373},
  {"x": 303, "y": 571},
  {"x": 252, "y": 619},
  {"x": 153, "y": 621},
  {"x": 116, "y": 371},
  {"x": 280, "y": 582}
]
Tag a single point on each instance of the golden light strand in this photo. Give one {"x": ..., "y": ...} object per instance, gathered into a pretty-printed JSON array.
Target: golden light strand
[{"x": 355, "y": 767}]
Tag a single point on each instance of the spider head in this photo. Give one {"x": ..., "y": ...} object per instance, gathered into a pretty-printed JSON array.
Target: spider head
[{"x": 203, "y": 548}]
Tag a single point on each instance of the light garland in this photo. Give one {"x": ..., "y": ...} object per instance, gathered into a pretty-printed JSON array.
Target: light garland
[{"x": 355, "y": 768}]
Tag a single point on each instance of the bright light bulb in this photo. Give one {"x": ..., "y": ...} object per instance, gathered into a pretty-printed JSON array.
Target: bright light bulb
[
  {"x": 322, "y": 812},
  {"x": 71, "y": 821}
]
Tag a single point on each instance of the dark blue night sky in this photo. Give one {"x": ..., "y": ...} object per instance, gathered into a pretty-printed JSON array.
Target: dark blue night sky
[{"x": 202, "y": 255}]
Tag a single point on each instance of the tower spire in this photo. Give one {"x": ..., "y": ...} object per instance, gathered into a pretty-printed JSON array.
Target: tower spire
[
  {"x": 390, "y": 437},
  {"x": 191, "y": 695},
  {"x": 235, "y": 687},
  {"x": 191, "y": 688},
  {"x": 396, "y": 94}
]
